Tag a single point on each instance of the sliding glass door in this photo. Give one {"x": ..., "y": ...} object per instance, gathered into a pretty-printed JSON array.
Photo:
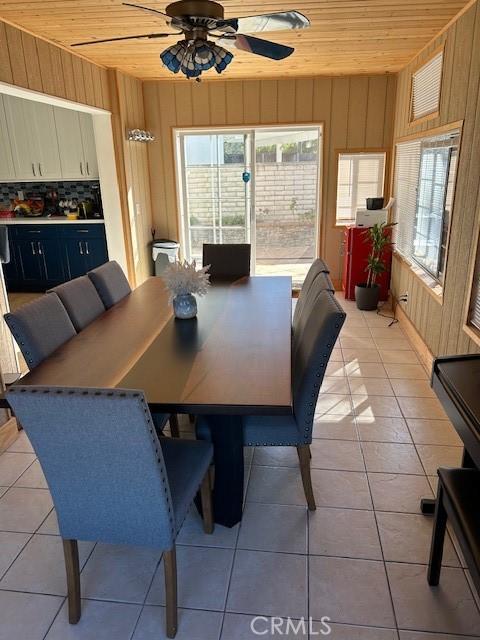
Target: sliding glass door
[
  {"x": 252, "y": 185},
  {"x": 216, "y": 200}
]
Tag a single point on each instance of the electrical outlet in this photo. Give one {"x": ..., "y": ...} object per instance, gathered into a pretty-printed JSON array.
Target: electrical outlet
[{"x": 404, "y": 297}]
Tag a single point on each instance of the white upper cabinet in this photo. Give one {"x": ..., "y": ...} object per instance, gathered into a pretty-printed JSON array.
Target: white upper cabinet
[
  {"x": 47, "y": 143},
  {"x": 42, "y": 142},
  {"x": 76, "y": 142},
  {"x": 23, "y": 143},
  {"x": 89, "y": 149},
  {"x": 70, "y": 143},
  {"x": 7, "y": 170}
]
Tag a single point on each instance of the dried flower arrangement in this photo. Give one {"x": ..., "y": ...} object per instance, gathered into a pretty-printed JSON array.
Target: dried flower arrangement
[{"x": 183, "y": 278}]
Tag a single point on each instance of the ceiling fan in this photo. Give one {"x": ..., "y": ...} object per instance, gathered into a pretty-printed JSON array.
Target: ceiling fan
[{"x": 199, "y": 20}]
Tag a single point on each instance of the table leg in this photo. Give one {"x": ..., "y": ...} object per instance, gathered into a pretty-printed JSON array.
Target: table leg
[
  {"x": 427, "y": 505},
  {"x": 227, "y": 439}
]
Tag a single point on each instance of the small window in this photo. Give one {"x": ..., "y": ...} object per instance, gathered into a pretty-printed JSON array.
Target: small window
[
  {"x": 360, "y": 176},
  {"x": 425, "y": 171},
  {"x": 426, "y": 84}
]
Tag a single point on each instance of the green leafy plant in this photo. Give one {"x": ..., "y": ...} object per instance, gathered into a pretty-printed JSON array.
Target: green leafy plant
[{"x": 380, "y": 241}]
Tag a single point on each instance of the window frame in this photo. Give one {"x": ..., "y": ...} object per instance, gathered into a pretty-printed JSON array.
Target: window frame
[
  {"x": 386, "y": 175},
  {"x": 472, "y": 331},
  {"x": 434, "y": 114},
  {"x": 425, "y": 278},
  {"x": 438, "y": 275}
]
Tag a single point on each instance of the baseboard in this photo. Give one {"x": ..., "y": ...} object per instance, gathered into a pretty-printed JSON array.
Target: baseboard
[
  {"x": 424, "y": 353},
  {"x": 8, "y": 434}
]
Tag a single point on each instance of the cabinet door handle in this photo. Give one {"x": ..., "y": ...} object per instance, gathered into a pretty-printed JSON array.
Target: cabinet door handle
[
  {"x": 88, "y": 169},
  {"x": 40, "y": 168},
  {"x": 33, "y": 231},
  {"x": 82, "y": 230},
  {"x": 86, "y": 249},
  {"x": 32, "y": 244},
  {"x": 33, "y": 169},
  {"x": 81, "y": 168},
  {"x": 80, "y": 247},
  {"x": 40, "y": 248}
]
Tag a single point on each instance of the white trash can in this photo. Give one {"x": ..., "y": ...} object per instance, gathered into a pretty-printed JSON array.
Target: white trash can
[{"x": 163, "y": 252}]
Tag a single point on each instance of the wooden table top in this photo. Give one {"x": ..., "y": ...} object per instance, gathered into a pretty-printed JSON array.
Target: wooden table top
[{"x": 235, "y": 357}]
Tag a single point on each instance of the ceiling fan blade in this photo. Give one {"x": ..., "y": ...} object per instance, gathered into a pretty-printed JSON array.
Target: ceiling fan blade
[
  {"x": 145, "y": 36},
  {"x": 266, "y": 22},
  {"x": 260, "y": 47},
  {"x": 143, "y": 8},
  {"x": 177, "y": 23}
]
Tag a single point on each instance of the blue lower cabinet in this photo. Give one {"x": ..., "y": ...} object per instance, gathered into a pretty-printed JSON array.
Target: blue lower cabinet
[
  {"x": 30, "y": 273},
  {"x": 43, "y": 256},
  {"x": 84, "y": 254}
]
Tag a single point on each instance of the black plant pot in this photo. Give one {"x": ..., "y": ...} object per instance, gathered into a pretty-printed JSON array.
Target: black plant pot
[{"x": 367, "y": 297}]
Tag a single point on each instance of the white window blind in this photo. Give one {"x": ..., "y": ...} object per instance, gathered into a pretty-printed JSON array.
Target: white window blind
[
  {"x": 407, "y": 166},
  {"x": 424, "y": 186},
  {"x": 475, "y": 300},
  {"x": 426, "y": 84},
  {"x": 360, "y": 176}
]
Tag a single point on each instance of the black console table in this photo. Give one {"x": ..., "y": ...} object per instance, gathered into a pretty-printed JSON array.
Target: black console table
[{"x": 456, "y": 381}]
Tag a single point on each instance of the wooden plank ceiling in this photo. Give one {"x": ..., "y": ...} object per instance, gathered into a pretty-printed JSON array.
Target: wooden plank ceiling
[{"x": 345, "y": 37}]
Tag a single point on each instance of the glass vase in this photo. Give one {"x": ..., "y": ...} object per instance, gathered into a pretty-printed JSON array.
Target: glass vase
[{"x": 185, "y": 306}]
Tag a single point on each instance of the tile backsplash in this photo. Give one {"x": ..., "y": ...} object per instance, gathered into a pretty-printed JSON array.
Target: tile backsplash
[{"x": 70, "y": 190}]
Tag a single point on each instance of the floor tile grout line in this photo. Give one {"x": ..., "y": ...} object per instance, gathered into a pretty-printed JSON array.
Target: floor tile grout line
[
  {"x": 12, "y": 485},
  {"x": 147, "y": 591},
  {"x": 2, "y": 575},
  {"x": 380, "y": 543},
  {"x": 55, "y": 617},
  {"x": 227, "y": 593}
]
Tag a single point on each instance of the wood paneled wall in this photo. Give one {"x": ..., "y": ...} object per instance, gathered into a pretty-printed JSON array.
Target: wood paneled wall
[
  {"x": 134, "y": 155},
  {"x": 357, "y": 112},
  {"x": 440, "y": 323},
  {"x": 33, "y": 63}
]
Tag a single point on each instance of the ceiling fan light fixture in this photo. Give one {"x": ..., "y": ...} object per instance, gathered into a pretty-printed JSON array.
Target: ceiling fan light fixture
[{"x": 194, "y": 57}]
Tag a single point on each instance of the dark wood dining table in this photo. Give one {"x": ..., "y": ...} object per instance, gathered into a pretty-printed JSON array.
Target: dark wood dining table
[{"x": 234, "y": 359}]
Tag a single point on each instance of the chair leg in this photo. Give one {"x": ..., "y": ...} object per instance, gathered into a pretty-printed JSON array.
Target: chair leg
[
  {"x": 438, "y": 536},
  {"x": 170, "y": 565},
  {"x": 174, "y": 428},
  {"x": 207, "y": 507},
  {"x": 304, "y": 456},
  {"x": 70, "y": 552}
]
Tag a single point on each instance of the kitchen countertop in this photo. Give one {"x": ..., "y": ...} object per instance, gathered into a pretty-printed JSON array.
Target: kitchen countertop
[{"x": 51, "y": 220}]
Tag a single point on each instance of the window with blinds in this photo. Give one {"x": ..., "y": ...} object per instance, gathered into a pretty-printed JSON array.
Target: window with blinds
[
  {"x": 475, "y": 299},
  {"x": 360, "y": 176},
  {"x": 424, "y": 186},
  {"x": 426, "y": 85}
]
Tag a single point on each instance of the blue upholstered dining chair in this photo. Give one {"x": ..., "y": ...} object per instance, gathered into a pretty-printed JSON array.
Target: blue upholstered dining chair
[
  {"x": 111, "y": 479},
  {"x": 318, "y": 272},
  {"x": 81, "y": 300},
  {"x": 83, "y": 304},
  {"x": 227, "y": 261},
  {"x": 110, "y": 283},
  {"x": 312, "y": 345},
  {"x": 40, "y": 327}
]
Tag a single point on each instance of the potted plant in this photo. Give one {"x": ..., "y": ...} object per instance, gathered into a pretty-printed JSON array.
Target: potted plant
[
  {"x": 183, "y": 280},
  {"x": 367, "y": 293}
]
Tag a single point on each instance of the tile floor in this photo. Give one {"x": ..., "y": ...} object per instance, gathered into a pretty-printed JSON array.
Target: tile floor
[{"x": 360, "y": 559}]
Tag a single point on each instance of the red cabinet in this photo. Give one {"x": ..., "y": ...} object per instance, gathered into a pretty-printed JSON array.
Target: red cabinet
[{"x": 355, "y": 261}]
